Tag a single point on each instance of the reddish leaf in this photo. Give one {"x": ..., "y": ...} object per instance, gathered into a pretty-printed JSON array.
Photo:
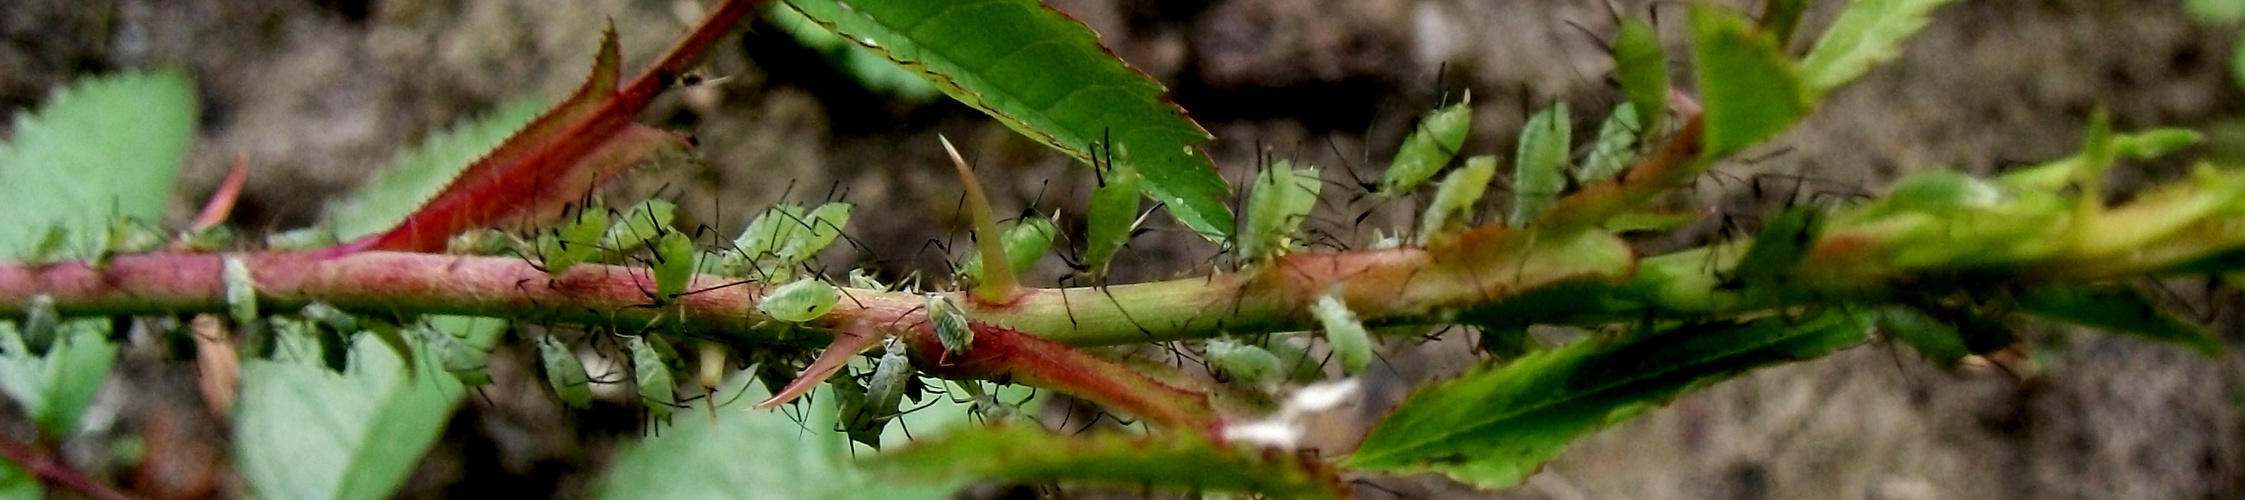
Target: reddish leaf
[
  {"x": 849, "y": 341},
  {"x": 1007, "y": 355},
  {"x": 561, "y": 156},
  {"x": 222, "y": 202}
]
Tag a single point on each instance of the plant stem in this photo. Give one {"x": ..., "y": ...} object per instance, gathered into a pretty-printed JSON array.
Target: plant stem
[
  {"x": 41, "y": 463},
  {"x": 1396, "y": 285}
]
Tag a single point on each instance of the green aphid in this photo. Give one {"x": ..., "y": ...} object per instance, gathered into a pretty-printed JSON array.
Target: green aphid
[
  {"x": 211, "y": 239},
  {"x": 1025, "y": 242},
  {"x": 565, "y": 373},
  {"x": 883, "y": 394},
  {"x": 573, "y": 243},
  {"x": 674, "y": 264},
  {"x": 1245, "y": 362},
  {"x": 1778, "y": 248},
  {"x": 640, "y": 228},
  {"x": 769, "y": 231},
  {"x": 1541, "y": 168},
  {"x": 1429, "y": 148},
  {"x": 1350, "y": 342},
  {"x": 1295, "y": 361},
  {"x": 126, "y": 236},
  {"x": 1281, "y": 199},
  {"x": 1112, "y": 217},
  {"x": 1614, "y": 148},
  {"x": 656, "y": 387},
  {"x": 950, "y": 324},
  {"x": 800, "y": 301},
  {"x": 849, "y": 402},
  {"x": 465, "y": 362},
  {"x": 823, "y": 226},
  {"x": 1455, "y": 197},
  {"x": 241, "y": 290},
  {"x": 51, "y": 246},
  {"x": 41, "y": 325},
  {"x": 1641, "y": 65},
  {"x": 859, "y": 279}
]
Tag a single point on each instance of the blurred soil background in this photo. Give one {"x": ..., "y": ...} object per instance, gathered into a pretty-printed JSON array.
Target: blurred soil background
[{"x": 319, "y": 95}]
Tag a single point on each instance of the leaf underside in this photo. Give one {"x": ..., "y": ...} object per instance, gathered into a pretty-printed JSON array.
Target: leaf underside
[
  {"x": 1045, "y": 75},
  {"x": 1495, "y": 427}
]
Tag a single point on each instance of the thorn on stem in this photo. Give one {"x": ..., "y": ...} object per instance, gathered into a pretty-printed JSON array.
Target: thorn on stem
[{"x": 998, "y": 284}]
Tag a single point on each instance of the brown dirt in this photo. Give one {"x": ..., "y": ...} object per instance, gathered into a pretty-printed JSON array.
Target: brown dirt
[{"x": 320, "y": 94}]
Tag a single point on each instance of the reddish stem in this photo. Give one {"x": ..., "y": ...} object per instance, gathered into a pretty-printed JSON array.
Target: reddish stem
[{"x": 41, "y": 463}]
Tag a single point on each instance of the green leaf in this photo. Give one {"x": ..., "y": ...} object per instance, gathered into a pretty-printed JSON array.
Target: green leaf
[
  {"x": 2237, "y": 63},
  {"x": 1280, "y": 200},
  {"x": 1454, "y": 198},
  {"x": 1182, "y": 461},
  {"x": 867, "y": 68},
  {"x": 2144, "y": 145},
  {"x": 2216, "y": 11},
  {"x": 419, "y": 173},
  {"x": 305, "y": 432},
  {"x": 746, "y": 454},
  {"x": 1641, "y": 65},
  {"x": 1614, "y": 148},
  {"x": 1046, "y": 76},
  {"x": 1493, "y": 427},
  {"x": 1429, "y": 147},
  {"x": 1937, "y": 341},
  {"x": 1868, "y": 33},
  {"x": 55, "y": 389},
  {"x": 105, "y": 148},
  {"x": 16, "y": 484},
  {"x": 1539, "y": 170},
  {"x": 2119, "y": 309},
  {"x": 1751, "y": 91}
]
